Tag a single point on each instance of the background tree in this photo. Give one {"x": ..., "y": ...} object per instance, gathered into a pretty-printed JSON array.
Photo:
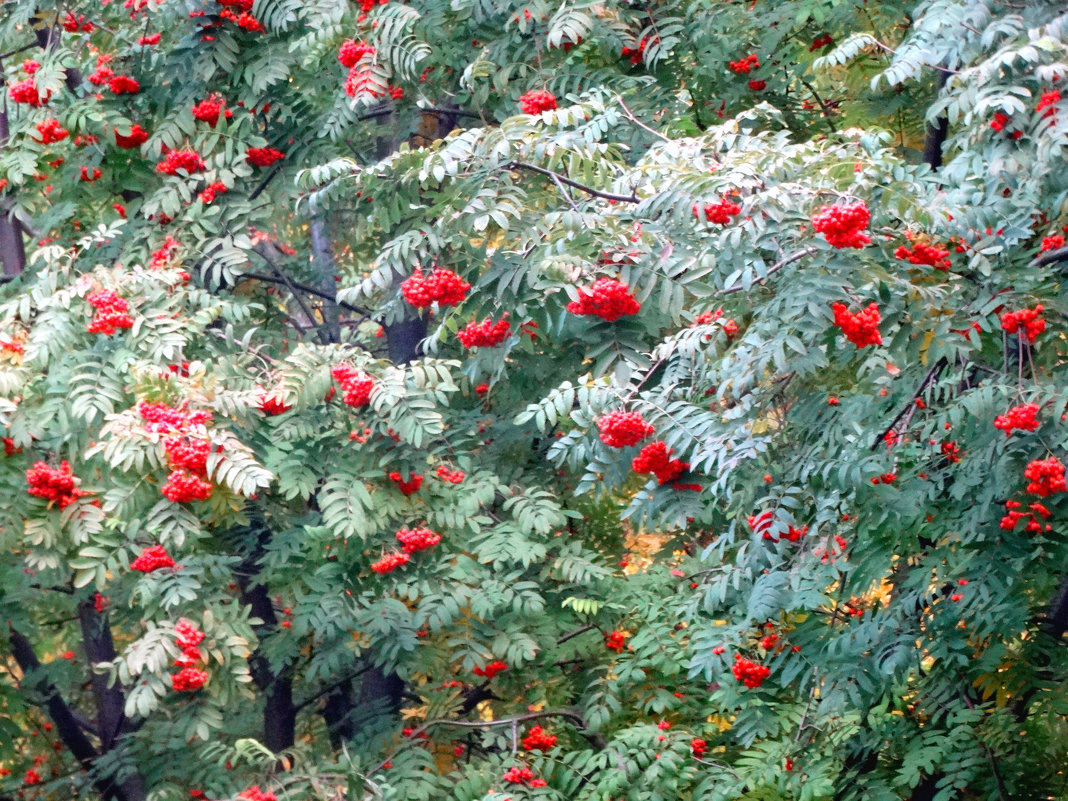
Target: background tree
[{"x": 484, "y": 400}]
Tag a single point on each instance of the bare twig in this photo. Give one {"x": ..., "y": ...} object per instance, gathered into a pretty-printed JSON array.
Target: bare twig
[
  {"x": 771, "y": 271},
  {"x": 639, "y": 123},
  {"x": 589, "y": 190},
  {"x": 930, "y": 378}
]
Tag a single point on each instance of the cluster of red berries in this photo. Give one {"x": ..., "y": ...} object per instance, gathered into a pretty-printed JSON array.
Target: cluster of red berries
[
  {"x": 794, "y": 534},
  {"x": 862, "y": 328},
  {"x": 88, "y": 176},
  {"x": 390, "y": 562},
  {"x": 450, "y": 476},
  {"x": 843, "y": 224},
  {"x": 211, "y": 191},
  {"x": 10, "y": 449},
  {"x": 1046, "y": 477},
  {"x": 209, "y": 110},
  {"x": 518, "y": 775},
  {"x": 137, "y": 137},
  {"x": 1012, "y": 516},
  {"x": 820, "y": 41},
  {"x": 538, "y": 739},
  {"x": 187, "y": 160},
  {"x": 409, "y": 487},
  {"x": 491, "y": 670},
  {"x": 357, "y": 385},
  {"x": 350, "y": 52},
  {"x": 924, "y": 253},
  {"x": 1023, "y": 417},
  {"x": 615, "y": 641},
  {"x": 952, "y": 452},
  {"x": 55, "y": 484},
  {"x": 608, "y": 299},
  {"x": 152, "y": 558},
  {"x": 698, "y": 747},
  {"x": 719, "y": 213},
  {"x": 124, "y": 85},
  {"x": 536, "y": 101},
  {"x": 762, "y": 523},
  {"x": 51, "y": 131},
  {"x": 185, "y": 487},
  {"x": 744, "y": 65},
  {"x": 244, "y": 19},
  {"x": 636, "y": 54},
  {"x": 442, "y": 286},
  {"x": 656, "y": 458},
  {"x": 885, "y": 478},
  {"x": 25, "y": 91},
  {"x": 163, "y": 419},
  {"x": 751, "y": 674},
  {"x": 149, "y": 40},
  {"x": 189, "y": 453},
  {"x": 272, "y": 405},
  {"x": 1000, "y": 121},
  {"x": 1048, "y": 242},
  {"x": 830, "y": 554},
  {"x": 1047, "y": 103},
  {"x": 706, "y": 318},
  {"x": 1029, "y": 320},
  {"x": 417, "y": 539},
  {"x": 111, "y": 312},
  {"x": 188, "y": 678},
  {"x": 254, "y": 793},
  {"x": 264, "y": 156},
  {"x": 621, "y": 429},
  {"x": 485, "y": 334}
]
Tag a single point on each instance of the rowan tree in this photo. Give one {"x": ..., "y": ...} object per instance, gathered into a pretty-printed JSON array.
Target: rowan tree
[{"x": 489, "y": 400}]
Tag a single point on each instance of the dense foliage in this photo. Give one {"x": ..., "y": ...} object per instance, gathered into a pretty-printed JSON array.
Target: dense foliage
[{"x": 485, "y": 400}]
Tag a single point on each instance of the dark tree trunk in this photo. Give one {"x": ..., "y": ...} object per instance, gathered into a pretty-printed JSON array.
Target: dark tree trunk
[
  {"x": 325, "y": 269},
  {"x": 937, "y": 133}
]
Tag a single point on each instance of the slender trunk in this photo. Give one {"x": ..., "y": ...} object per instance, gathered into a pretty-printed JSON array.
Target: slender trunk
[
  {"x": 325, "y": 269},
  {"x": 12, "y": 248},
  {"x": 937, "y": 133}
]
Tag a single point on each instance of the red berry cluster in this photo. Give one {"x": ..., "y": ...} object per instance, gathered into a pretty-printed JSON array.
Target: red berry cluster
[
  {"x": 538, "y": 739},
  {"x": 390, "y": 562},
  {"x": 185, "y": 487},
  {"x": 163, "y": 419},
  {"x": 1012, "y": 516},
  {"x": 137, "y": 137},
  {"x": 264, "y": 156},
  {"x": 188, "y": 453},
  {"x": 615, "y": 641},
  {"x": 209, "y": 110},
  {"x": 794, "y": 534},
  {"x": 1046, "y": 477},
  {"x": 621, "y": 429},
  {"x": 751, "y": 674},
  {"x": 862, "y": 328},
  {"x": 1047, "y": 103},
  {"x": 744, "y": 65},
  {"x": 656, "y": 458},
  {"x": 188, "y": 160},
  {"x": 10, "y": 449},
  {"x": 1048, "y": 242},
  {"x": 51, "y": 131},
  {"x": 1027, "y": 319},
  {"x": 1000, "y": 121},
  {"x": 924, "y": 253},
  {"x": 518, "y": 775},
  {"x": 706, "y": 318},
  {"x": 536, "y": 101},
  {"x": 188, "y": 680},
  {"x": 25, "y": 91},
  {"x": 409, "y": 487},
  {"x": 1023, "y": 417},
  {"x": 820, "y": 41},
  {"x": 450, "y": 476},
  {"x": 357, "y": 385},
  {"x": 244, "y": 19},
  {"x": 442, "y": 286},
  {"x": 124, "y": 85},
  {"x": 843, "y": 225},
  {"x": 417, "y": 539},
  {"x": 72, "y": 24},
  {"x": 152, "y": 558},
  {"x": 88, "y": 176},
  {"x": 491, "y": 670},
  {"x": 55, "y": 484},
  {"x": 952, "y": 452},
  {"x": 698, "y": 747},
  {"x": 272, "y": 405},
  {"x": 719, "y": 213},
  {"x": 608, "y": 299},
  {"x": 111, "y": 312},
  {"x": 211, "y": 191},
  {"x": 636, "y": 54},
  {"x": 485, "y": 334},
  {"x": 254, "y": 793},
  {"x": 351, "y": 52},
  {"x": 761, "y": 523}
]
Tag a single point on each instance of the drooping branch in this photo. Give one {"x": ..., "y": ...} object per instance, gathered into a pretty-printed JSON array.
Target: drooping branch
[
  {"x": 1051, "y": 257},
  {"x": 589, "y": 190},
  {"x": 910, "y": 408}
]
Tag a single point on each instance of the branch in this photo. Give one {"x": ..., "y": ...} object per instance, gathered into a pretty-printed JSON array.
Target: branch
[
  {"x": 930, "y": 378},
  {"x": 1054, "y": 256},
  {"x": 270, "y": 279},
  {"x": 327, "y": 689},
  {"x": 828, "y": 112},
  {"x": 522, "y": 165},
  {"x": 771, "y": 271},
  {"x": 639, "y": 123},
  {"x": 580, "y": 630}
]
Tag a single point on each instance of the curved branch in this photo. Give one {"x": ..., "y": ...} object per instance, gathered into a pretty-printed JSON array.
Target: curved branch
[
  {"x": 771, "y": 271},
  {"x": 589, "y": 190}
]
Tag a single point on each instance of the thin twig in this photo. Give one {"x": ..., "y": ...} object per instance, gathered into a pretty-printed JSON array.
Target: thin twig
[
  {"x": 930, "y": 378},
  {"x": 565, "y": 193},
  {"x": 589, "y": 190},
  {"x": 639, "y": 123},
  {"x": 771, "y": 271}
]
